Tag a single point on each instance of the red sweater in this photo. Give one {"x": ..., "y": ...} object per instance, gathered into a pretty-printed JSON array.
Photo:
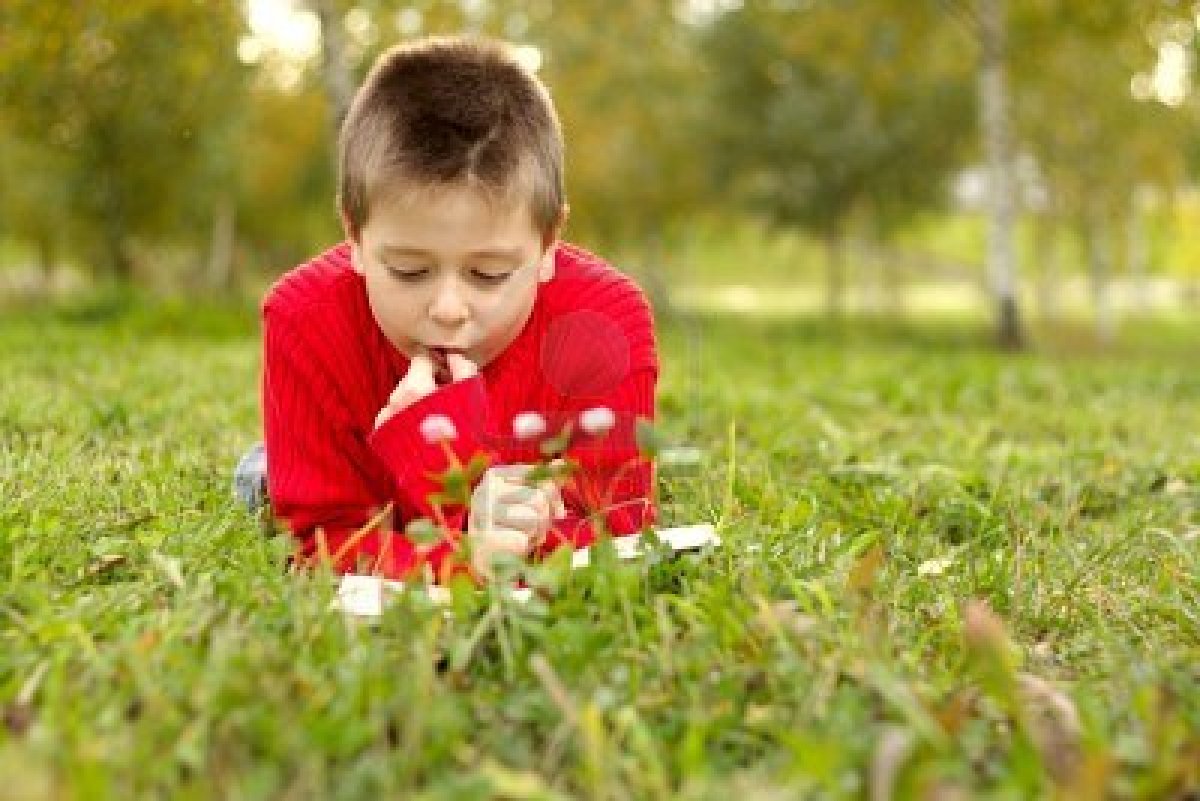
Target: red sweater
[{"x": 328, "y": 370}]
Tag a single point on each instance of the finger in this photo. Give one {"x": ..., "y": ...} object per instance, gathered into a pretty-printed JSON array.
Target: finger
[
  {"x": 551, "y": 488},
  {"x": 522, "y": 517},
  {"x": 544, "y": 495},
  {"x": 558, "y": 505},
  {"x": 516, "y": 494},
  {"x": 557, "y": 471},
  {"x": 491, "y": 489},
  {"x": 508, "y": 540},
  {"x": 511, "y": 473},
  {"x": 402, "y": 396},
  {"x": 420, "y": 372},
  {"x": 545, "y": 501},
  {"x": 461, "y": 368}
]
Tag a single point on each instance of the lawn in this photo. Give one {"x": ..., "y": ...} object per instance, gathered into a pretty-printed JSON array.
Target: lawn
[{"x": 947, "y": 573}]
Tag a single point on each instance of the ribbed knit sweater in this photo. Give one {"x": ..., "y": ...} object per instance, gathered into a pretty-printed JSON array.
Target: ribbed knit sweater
[{"x": 328, "y": 370}]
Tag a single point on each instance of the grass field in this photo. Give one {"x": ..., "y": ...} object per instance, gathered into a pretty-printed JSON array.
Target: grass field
[{"x": 875, "y": 486}]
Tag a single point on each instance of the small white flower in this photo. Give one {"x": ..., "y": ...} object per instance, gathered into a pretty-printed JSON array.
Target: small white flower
[
  {"x": 935, "y": 567},
  {"x": 680, "y": 456},
  {"x": 599, "y": 420},
  {"x": 528, "y": 425},
  {"x": 438, "y": 428}
]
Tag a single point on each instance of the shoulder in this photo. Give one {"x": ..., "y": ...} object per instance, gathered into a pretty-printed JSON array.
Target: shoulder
[
  {"x": 316, "y": 317},
  {"x": 599, "y": 325},
  {"x": 322, "y": 286},
  {"x": 583, "y": 282}
]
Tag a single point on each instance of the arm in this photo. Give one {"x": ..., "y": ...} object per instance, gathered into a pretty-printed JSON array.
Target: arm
[
  {"x": 613, "y": 486},
  {"x": 315, "y": 451}
]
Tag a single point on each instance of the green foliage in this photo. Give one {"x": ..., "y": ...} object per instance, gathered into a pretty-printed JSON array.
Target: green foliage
[
  {"x": 152, "y": 644},
  {"x": 1095, "y": 143},
  {"x": 829, "y": 111},
  {"x": 132, "y": 105},
  {"x": 287, "y": 193},
  {"x": 130, "y": 127}
]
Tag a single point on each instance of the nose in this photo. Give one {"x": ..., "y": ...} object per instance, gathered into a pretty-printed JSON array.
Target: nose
[{"x": 448, "y": 306}]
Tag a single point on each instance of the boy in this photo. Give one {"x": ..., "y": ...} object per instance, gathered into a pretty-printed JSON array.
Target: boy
[{"x": 451, "y": 323}]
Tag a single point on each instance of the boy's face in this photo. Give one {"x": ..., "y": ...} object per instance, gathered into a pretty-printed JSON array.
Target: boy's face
[{"x": 450, "y": 271}]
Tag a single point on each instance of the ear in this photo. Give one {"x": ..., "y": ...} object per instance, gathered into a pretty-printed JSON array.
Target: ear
[
  {"x": 546, "y": 264},
  {"x": 352, "y": 236},
  {"x": 549, "y": 240}
]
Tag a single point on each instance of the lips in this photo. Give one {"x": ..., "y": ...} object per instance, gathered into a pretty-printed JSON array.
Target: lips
[{"x": 441, "y": 363}]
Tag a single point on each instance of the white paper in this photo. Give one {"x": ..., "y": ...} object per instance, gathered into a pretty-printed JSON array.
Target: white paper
[
  {"x": 363, "y": 596},
  {"x": 680, "y": 538}
]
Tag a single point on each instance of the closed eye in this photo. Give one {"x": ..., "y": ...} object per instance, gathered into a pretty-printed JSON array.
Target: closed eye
[
  {"x": 489, "y": 278},
  {"x": 409, "y": 275}
]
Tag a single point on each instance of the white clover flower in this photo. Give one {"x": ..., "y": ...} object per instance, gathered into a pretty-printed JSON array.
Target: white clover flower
[
  {"x": 528, "y": 425},
  {"x": 438, "y": 428},
  {"x": 935, "y": 567},
  {"x": 597, "y": 421}
]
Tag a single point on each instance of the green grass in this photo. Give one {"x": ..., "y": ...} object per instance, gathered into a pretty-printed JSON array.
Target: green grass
[{"x": 813, "y": 656}]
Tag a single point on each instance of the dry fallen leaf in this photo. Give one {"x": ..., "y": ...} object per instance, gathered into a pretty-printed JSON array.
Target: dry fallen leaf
[
  {"x": 1053, "y": 724},
  {"x": 983, "y": 629},
  {"x": 783, "y": 616},
  {"x": 17, "y": 718},
  {"x": 866, "y": 568},
  {"x": 894, "y": 748},
  {"x": 105, "y": 563}
]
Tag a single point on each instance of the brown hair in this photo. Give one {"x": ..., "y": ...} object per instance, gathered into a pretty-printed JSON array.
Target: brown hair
[{"x": 440, "y": 111}]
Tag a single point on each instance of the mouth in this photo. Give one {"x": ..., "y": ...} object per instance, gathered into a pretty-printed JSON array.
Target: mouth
[{"x": 441, "y": 362}]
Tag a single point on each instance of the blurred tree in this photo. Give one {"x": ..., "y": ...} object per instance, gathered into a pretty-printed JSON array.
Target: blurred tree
[
  {"x": 128, "y": 103},
  {"x": 32, "y": 209},
  {"x": 626, "y": 85},
  {"x": 336, "y": 69},
  {"x": 287, "y": 194},
  {"x": 1097, "y": 147},
  {"x": 994, "y": 105},
  {"x": 834, "y": 113}
]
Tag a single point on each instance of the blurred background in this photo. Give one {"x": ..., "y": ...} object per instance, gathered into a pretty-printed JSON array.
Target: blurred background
[{"x": 1017, "y": 161}]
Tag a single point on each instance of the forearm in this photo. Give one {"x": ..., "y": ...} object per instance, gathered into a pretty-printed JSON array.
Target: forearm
[
  {"x": 617, "y": 502},
  {"x": 381, "y": 552}
]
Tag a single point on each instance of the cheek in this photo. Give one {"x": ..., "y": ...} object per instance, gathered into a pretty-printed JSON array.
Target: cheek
[
  {"x": 394, "y": 310},
  {"x": 508, "y": 313}
]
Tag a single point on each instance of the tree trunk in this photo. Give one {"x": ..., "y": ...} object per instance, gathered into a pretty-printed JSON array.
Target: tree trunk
[
  {"x": 1098, "y": 246},
  {"x": 1047, "y": 252},
  {"x": 118, "y": 264},
  {"x": 835, "y": 266},
  {"x": 46, "y": 260},
  {"x": 1001, "y": 258},
  {"x": 891, "y": 281},
  {"x": 1136, "y": 253},
  {"x": 219, "y": 274},
  {"x": 335, "y": 71}
]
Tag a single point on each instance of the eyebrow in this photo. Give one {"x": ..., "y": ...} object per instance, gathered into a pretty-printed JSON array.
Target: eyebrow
[{"x": 512, "y": 254}]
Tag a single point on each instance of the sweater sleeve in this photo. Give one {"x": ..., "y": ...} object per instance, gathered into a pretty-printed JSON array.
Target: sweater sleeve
[
  {"x": 314, "y": 480},
  {"x": 418, "y": 455},
  {"x": 612, "y": 489}
]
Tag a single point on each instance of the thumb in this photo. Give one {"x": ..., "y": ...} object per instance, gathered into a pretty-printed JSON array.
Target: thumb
[
  {"x": 461, "y": 368},
  {"x": 420, "y": 372}
]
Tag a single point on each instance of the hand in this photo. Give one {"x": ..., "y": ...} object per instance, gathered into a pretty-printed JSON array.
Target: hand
[
  {"x": 420, "y": 381},
  {"x": 510, "y": 515}
]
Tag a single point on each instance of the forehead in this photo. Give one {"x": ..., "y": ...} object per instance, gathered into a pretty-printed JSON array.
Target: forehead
[{"x": 450, "y": 218}]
